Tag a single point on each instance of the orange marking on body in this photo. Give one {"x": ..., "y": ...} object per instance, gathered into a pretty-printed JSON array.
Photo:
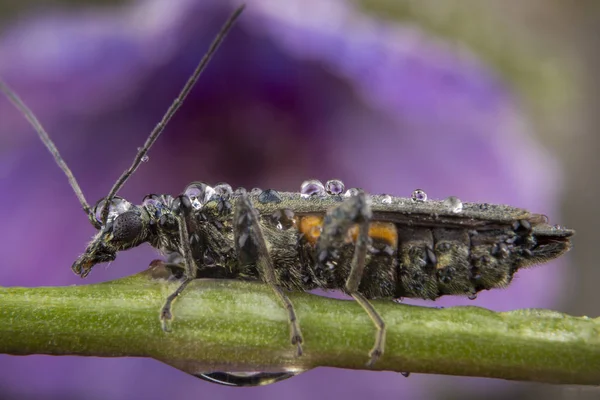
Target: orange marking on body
[
  {"x": 384, "y": 231},
  {"x": 310, "y": 226}
]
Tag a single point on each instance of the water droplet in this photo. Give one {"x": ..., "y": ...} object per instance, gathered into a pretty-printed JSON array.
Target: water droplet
[
  {"x": 335, "y": 186},
  {"x": 351, "y": 192},
  {"x": 167, "y": 200},
  {"x": 269, "y": 196},
  {"x": 386, "y": 199},
  {"x": 405, "y": 374},
  {"x": 256, "y": 191},
  {"x": 312, "y": 187},
  {"x": 419, "y": 195},
  {"x": 145, "y": 157},
  {"x": 453, "y": 203},
  {"x": 315, "y": 231},
  {"x": 152, "y": 200},
  {"x": 223, "y": 190},
  {"x": 117, "y": 206},
  {"x": 199, "y": 194},
  {"x": 501, "y": 250},
  {"x": 284, "y": 218},
  {"x": 389, "y": 250},
  {"x": 472, "y": 296}
]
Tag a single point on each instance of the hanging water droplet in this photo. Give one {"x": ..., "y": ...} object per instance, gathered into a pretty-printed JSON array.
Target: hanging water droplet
[
  {"x": 199, "y": 194},
  {"x": 405, "y": 374},
  {"x": 335, "y": 186},
  {"x": 351, "y": 192},
  {"x": 453, "y": 203},
  {"x": 419, "y": 195},
  {"x": 386, "y": 199},
  {"x": 312, "y": 187},
  {"x": 472, "y": 296}
]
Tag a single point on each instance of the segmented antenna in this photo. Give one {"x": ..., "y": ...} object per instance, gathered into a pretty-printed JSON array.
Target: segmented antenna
[
  {"x": 172, "y": 109},
  {"x": 16, "y": 100}
]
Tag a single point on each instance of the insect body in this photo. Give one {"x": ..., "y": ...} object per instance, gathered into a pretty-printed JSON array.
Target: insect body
[
  {"x": 416, "y": 249},
  {"x": 369, "y": 246}
]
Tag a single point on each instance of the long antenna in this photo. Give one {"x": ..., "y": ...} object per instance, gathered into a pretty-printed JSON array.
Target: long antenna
[
  {"x": 172, "y": 109},
  {"x": 16, "y": 100}
]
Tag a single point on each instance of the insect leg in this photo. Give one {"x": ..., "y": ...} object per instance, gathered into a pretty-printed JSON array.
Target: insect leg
[
  {"x": 184, "y": 208},
  {"x": 336, "y": 226},
  {"x": 252, "y": 249}
]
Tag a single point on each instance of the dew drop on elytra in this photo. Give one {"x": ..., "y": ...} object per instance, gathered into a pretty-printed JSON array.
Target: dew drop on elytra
[
  {"x": 312, "y": 187},
  {"x": 419, "y": 195},
  {"x": 335, "y": 186},
  {"x": 351, "y": 192},
  {"x": 454, "y": 204}
]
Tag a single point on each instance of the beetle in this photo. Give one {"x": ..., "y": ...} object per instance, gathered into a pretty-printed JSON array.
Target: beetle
[{"x": 323, "y": 236}]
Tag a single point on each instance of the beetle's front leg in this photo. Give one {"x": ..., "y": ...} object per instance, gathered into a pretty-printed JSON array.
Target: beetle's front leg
[
  {"x": 183, "y": 209},
  {"x": 252, "y": 248}
]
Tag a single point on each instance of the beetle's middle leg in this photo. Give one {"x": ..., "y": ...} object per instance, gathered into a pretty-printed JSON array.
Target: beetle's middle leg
[
  {"x": 190, "y": 267},
  {"x": 252, "y": 248},
  {"x": 354, "y": 211}
]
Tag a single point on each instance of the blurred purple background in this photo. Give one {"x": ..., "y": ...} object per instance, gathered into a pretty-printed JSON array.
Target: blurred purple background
[{"x": 299, "y": 90}]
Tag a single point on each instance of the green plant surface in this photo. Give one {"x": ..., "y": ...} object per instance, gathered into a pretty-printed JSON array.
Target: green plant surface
[{"x": 240, "y": 326}]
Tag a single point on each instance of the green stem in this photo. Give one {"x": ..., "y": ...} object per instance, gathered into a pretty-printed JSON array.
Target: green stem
[{"x": 237, "y": 326}]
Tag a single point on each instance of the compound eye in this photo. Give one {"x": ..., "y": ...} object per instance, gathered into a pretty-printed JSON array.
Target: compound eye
[
  {"x": 117, "y": 207},
  {"x": 127, "y": 226}
]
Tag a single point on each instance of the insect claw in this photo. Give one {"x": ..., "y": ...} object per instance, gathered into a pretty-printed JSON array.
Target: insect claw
[
  {"x": 375, "y": 355},
  {"x": 297, "y": 340},
  {"x": 165, "y": 325},
  {"x": 165, "y": 319},
  {"x": 299, "y": 350}
]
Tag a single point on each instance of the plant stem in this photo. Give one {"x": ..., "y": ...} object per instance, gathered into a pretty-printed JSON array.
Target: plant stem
[{"x": 240, "y": 326}]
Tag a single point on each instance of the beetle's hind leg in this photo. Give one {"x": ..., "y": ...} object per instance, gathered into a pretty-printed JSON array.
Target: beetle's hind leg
[
  {"x": 355, "y": 211},
  {"x": 252, "y": 248},
  {"x": 190, "y": 268}
]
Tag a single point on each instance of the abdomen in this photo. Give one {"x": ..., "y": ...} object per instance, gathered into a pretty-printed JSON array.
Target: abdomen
[{"x": 428, "y": 261}]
